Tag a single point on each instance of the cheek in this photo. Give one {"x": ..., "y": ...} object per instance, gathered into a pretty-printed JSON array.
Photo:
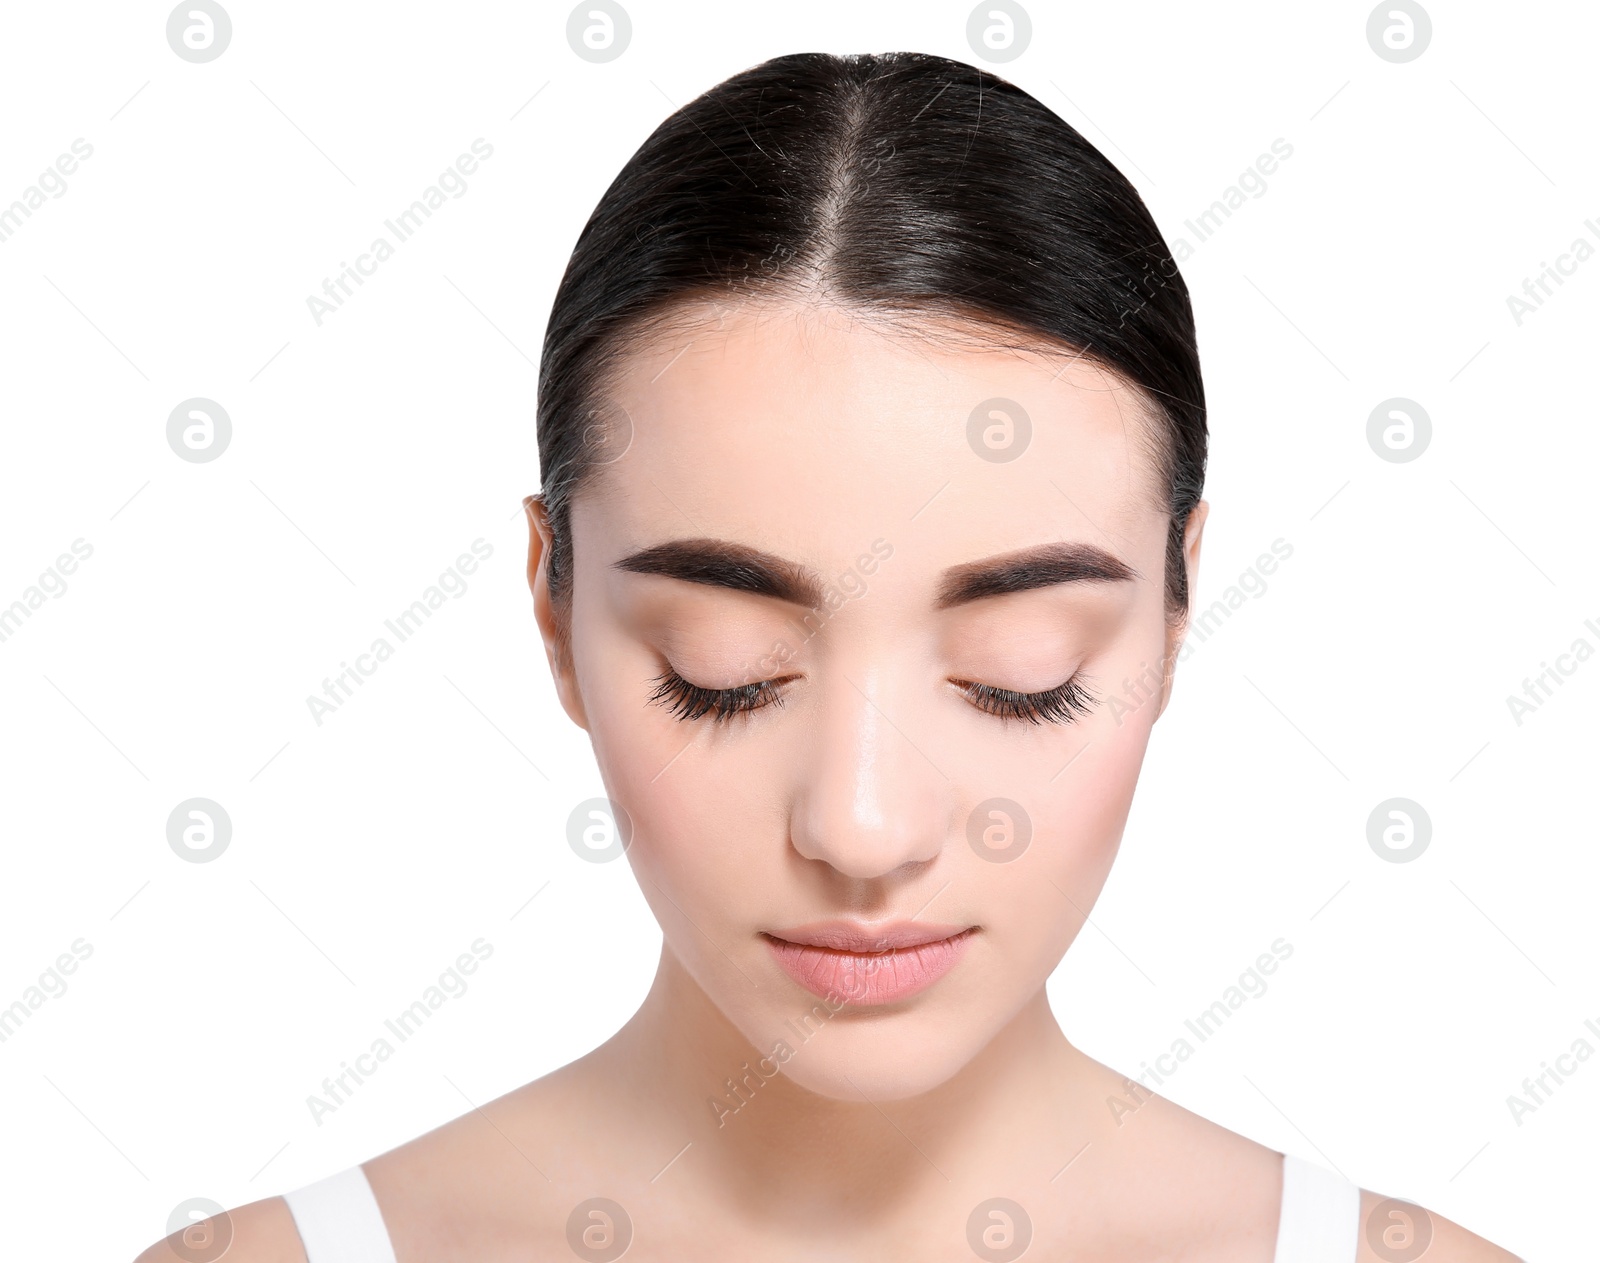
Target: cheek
[
  {"x": 1078, "y": 823},
  {"x": 1092, "y": 809},
  {"x": 695, "y": 800}
]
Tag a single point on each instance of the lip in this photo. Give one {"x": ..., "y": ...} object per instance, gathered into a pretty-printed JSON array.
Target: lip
[{"x": 866, "y": 964}]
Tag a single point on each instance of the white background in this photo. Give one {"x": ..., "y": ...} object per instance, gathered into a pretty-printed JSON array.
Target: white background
[{"x": 369, "y": 452}]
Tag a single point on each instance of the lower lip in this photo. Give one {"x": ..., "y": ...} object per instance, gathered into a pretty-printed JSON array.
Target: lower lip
[{"x": 869, "y": 977}]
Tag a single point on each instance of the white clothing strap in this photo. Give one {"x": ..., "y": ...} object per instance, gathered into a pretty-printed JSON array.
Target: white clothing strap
[
  {"x": 1320, "y": 1219},
  {"x": 339, "y": 1220}
]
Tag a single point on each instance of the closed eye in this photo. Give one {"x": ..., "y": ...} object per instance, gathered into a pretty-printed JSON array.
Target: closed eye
[
  {"x": 1064, "y": 704},
  {"x": 694, "y": 701}
]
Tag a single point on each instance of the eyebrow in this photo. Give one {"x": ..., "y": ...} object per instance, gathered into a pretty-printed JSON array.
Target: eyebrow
[{"x": 725, "y": 564}]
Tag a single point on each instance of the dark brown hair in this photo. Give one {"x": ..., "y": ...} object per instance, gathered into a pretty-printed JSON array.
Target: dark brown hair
[{"x": 900, "y": 182}]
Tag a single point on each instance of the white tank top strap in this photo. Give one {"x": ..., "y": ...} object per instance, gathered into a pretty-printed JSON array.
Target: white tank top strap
[
  {"x": 1320, "y": 1219},
  {"x": 339, "y": 1220}
]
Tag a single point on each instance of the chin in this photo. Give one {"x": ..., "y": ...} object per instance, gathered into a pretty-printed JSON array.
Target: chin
[
  {"x": 895, "y": 1076},
  {"x": 886, "y": 1054}
]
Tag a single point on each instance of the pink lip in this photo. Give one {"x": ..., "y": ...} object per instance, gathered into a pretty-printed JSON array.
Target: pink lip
[{"x": 869, "y": 964}]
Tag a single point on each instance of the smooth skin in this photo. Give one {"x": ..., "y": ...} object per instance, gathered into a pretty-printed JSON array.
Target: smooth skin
[{"x": 810, "y": 432}]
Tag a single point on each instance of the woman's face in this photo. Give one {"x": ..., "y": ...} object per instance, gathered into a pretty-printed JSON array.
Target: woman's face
[{"x": 866, "y": 520}]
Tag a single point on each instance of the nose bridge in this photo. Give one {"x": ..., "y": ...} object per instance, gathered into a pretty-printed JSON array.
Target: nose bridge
[{"x": 870, "y": 801}]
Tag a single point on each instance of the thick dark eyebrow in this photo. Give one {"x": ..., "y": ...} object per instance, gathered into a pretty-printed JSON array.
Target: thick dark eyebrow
[
  {"x": 724, "y": 564},
  {"x": 1042, "y": 566}
]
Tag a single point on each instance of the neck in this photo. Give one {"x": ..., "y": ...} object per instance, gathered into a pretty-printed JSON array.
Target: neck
[{"x": 754, "y": 1135}]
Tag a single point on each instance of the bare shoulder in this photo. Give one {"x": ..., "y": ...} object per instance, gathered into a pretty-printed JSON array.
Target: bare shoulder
[
  {"x": 472, "y": 1183},
  {"x": 1226, "y": 1191},
  {"x": 1219, "y": 1191},
  {"x": 477, "y": 1182},
  {"x": 1392, "y": 1229},
  {"x": 490, "y": 1180},
  {"x": 259, "y": 1232}
]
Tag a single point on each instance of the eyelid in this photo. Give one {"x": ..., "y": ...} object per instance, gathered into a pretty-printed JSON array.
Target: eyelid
[
  {"x": 688, "y": 701},
  {"x": 1065, "y": 703}
]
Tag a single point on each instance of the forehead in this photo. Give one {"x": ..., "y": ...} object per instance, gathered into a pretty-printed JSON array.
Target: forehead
[{"x": 812, "y": 429}]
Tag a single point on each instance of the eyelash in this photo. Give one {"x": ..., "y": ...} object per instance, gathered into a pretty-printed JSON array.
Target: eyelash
[
  {"x": 692, "y": 701},
  {"x": 1064, "y": 704}
]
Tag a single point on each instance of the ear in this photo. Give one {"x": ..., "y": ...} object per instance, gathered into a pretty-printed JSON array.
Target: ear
[
  {"x": 1192, "y": 531},
  {"x": 556, "y": 639}
]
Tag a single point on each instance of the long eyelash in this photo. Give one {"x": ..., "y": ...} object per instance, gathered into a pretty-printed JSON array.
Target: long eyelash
[
  {"x": 1064, "y": 704},
  {"x": 692, "y": 701}
]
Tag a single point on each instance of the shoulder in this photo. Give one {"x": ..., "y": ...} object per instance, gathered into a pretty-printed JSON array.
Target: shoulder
[
  {"x": 478, "y": 1179},
  {"x": 1225, "y": 1191},
  {"x": 259, "y": 1232},
  {"x": 1392, "y": 1229},
  {"x": 500, "y": 1173},
  {"x": 1157, "y": 1172}
]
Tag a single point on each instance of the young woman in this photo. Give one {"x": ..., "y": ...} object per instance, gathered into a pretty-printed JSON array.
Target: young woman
[{"x": 873, "y": 440}]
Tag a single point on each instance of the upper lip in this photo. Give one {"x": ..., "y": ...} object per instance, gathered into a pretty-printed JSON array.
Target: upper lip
[{"x": 866, "y": 936}]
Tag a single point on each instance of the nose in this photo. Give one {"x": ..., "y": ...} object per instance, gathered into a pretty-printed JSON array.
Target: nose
[{"x": 871, "y": 802}]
